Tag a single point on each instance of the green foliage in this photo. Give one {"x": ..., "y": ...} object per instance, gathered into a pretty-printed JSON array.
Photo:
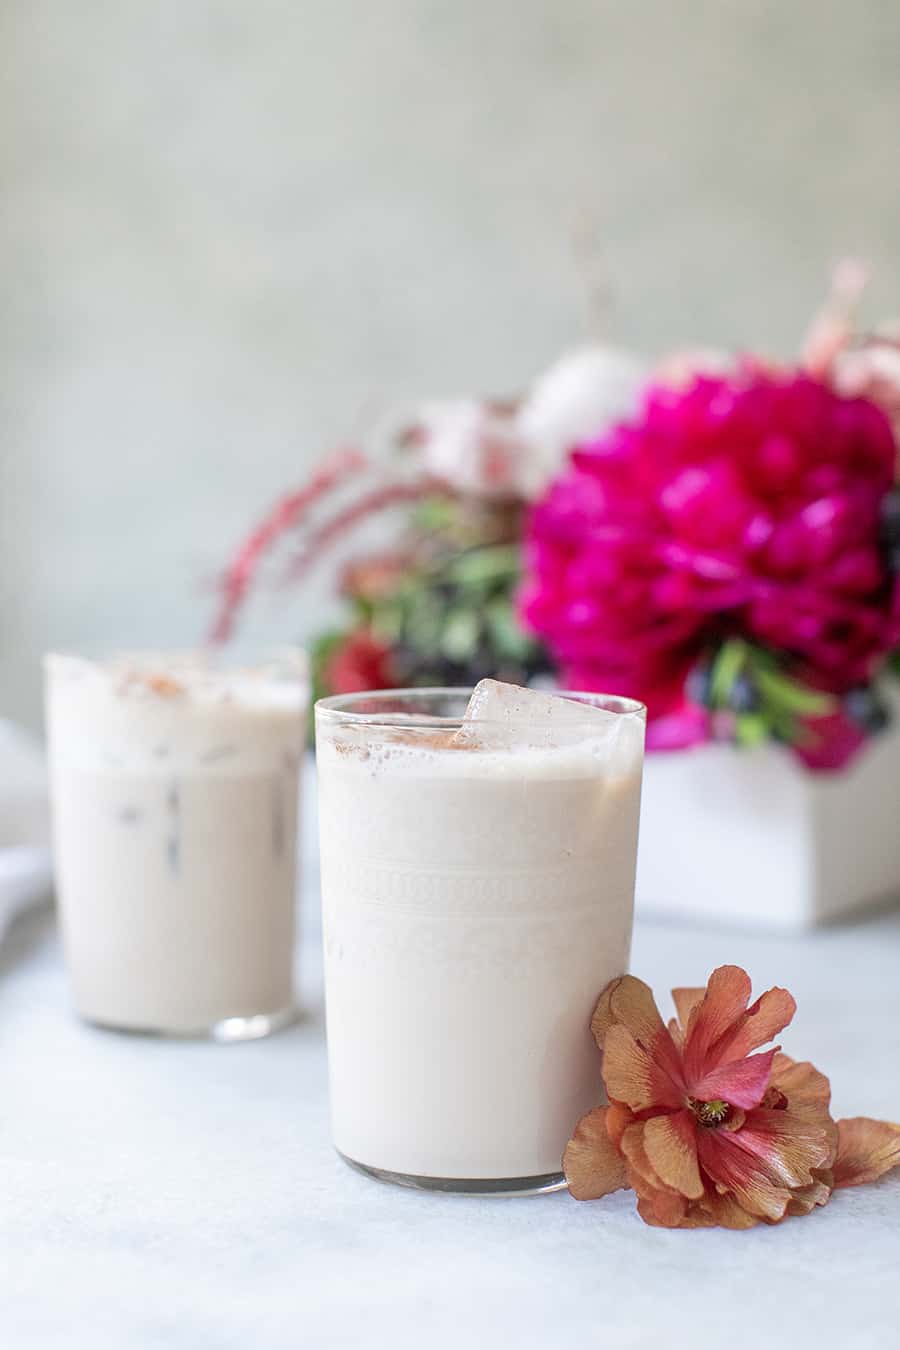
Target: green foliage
[
  {"x": 451, "y": 618},
  {"x": 484, "y": 569},
  {"x": 435, "y": 514},
  {"x": 459, "y": 638},
  {"x": 752, "y": 729},
  {"x": 726, "y": 668},
  {"x": 751, "y": 683},
  {"x": 789, "y": 696},
  {"x": 509, "y": 640}
]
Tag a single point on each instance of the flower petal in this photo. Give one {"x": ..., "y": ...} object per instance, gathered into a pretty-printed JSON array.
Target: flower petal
[
  {"x": 805, "y": 1198},
  {"x": 641, "y": 1171},
  {"x": 866, "y": 1150},
  {"x": 765, "y": 1163},
  {"x": 618, "y": 1118},
  {"x": 685, "y": 1001},
  {"x": 799, "y": 1079},
  {"x": 808, "y": 1091},
  {"x": 658, "y": 1203},
  {"x": 723, "y": 1003},
  {"x": 720, "y": 1211},
  {"x": 712, "y": 1210},
  {"x": 603, "y": 1017},
  {"x": 732, "y": 1169},
  {"x": 762, "y": 1021},
  {"x": 670, "y": 1143},
  {"x": 630, "y": 1002},
  {"x": 741, "y": 1083},
  {"x": 675, "y": 1032},
  {"x": 592, "y": 1165},
  {"x": 662, "y": 1210},
  {"x": 792, "y": 1148},
  {"x": 663, "y": 1207},
  {"x": 632, "y": 1075}
]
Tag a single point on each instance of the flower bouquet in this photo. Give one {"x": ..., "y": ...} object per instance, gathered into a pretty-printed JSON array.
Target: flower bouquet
[{"x": 717, "y": 536}]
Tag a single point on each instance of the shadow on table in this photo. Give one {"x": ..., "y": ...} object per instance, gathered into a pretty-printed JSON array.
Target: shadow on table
[{"x": 26, "y": 935}]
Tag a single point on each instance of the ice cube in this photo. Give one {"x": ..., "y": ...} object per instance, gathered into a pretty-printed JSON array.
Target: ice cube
[
  {"x": 505, "y": 716},
  {"x": 509, "y": 706}
]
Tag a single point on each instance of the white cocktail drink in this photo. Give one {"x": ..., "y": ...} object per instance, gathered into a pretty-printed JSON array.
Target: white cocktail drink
[
  {"x": 478, "y": 884},
  {"x": 174, "y": 789}
]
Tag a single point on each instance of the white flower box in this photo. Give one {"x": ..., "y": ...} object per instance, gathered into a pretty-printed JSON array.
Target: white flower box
[{"x": 750, "y": 837}]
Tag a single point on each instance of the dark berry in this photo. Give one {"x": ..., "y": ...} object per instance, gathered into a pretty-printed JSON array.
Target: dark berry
[
  {"x": 483, "y": 666},
  {"x": 698, "y": 686},
  {"x": 743, "y": 696},
  {"x": 864, "y": 707},
  {"x": 405, "y": 661},
  {"x": 890, "y": 522}
]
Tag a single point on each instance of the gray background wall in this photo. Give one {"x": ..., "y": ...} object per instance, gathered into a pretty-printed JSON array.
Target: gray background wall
[{"x": 229, "y": 225}]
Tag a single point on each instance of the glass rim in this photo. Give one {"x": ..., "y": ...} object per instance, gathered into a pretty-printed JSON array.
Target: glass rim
[
  {"x": 107, "y": 656},
  {"x": 337, "y": 709},
  {"x": 192, "y": 672}
]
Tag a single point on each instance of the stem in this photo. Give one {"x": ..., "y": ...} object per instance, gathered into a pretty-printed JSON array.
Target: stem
[
  {"x": 285, "y": 515},
  {"x": 392, "y": 494}
]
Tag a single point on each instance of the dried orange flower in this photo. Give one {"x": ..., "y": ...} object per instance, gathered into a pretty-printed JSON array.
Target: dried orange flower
[{"x": 706, "y": 1133}]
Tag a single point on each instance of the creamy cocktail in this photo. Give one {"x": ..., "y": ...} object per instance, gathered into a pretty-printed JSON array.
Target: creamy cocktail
[
  {"x": 477, "y": 882},
  {"x": 174, "y": 789}
]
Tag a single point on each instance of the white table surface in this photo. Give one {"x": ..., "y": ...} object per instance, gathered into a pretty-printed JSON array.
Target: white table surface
[{"x": 186, "y": 1196}]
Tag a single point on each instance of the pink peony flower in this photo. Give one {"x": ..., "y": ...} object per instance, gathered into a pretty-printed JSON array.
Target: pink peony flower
[{"x": 744, "y": 504}]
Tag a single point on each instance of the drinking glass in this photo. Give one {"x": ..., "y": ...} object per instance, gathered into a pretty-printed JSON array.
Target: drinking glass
[
  {"x": 174, "y": 786},
  {"x": 477, "y": 887}
]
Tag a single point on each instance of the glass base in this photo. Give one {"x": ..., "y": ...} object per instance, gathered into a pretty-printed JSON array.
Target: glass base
[
  {"x": 539, "y": 1185},
  {"x": 227, "y": 1031}
]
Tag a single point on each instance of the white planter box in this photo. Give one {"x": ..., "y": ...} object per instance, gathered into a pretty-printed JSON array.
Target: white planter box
[{"x": 750, "y": 837}]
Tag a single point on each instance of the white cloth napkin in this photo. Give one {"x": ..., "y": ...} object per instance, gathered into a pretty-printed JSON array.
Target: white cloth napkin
[{"x": 25, "y": 859}]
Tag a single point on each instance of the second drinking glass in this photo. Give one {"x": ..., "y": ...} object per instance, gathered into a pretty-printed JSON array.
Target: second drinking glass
[{"x": 174, "y": 787}]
